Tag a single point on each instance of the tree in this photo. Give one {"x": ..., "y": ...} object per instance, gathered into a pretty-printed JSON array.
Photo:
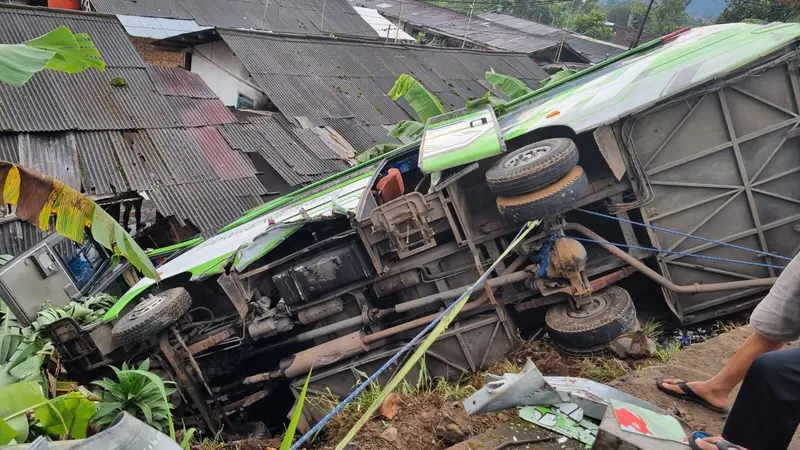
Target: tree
[
  {"x": 766, "y": 10},
  {"x": 591, "y": 23}
]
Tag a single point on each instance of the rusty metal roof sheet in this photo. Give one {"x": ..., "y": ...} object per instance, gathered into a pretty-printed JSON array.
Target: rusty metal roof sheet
[
  {"x": 350, "y": 79},
  {"x": 99, "y": 163},
  {"x": 227, "y": 163},
  {"x": 140, "y": 161},
  {"x": 196, "y": 112},
  {"x": 208, "y": 204},
  {"x": 180, "y": 82},
  {"x": 183, "y": 158}
]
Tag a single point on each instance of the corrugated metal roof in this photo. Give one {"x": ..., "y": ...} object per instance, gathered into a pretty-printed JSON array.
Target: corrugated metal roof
[
  {"x": 350, "y": 79},
  {"x": 180, "y": 82},
  {"x": 54, "y": 154},
  {"x": 360, "y": 136},
  {"x": 100, "y": 166},
  {"x": 18, "y": 24},
  {"x": 149, "y": 8},
  {"x": 160, "y": 131},
  {"x": 181, "y": 154},
  {"x": 228, "y": 164},
  {"x": 196, "y": 112},
  {"x": 292, "y": 16},
  {"x": 593, "y": 49},
  {"x": 17, "y": 236},
  {"x": 141, "y": 162},
  {"x": 208, "y": 204},
  {"x": 9, "y": 147},
  {"x": 493, "y": 30},
  {"x": 157, "y": 27}
]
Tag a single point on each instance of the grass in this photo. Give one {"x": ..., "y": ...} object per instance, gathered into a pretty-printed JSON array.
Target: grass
[
  {"x": 664, "y": 354},
  {"x": 652, "y": 329},
  {"x": 603, "y": 370},
  {"x": 724, "y": 326}
]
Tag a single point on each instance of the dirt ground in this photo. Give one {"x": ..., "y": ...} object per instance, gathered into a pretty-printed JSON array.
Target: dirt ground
[{"x": 433, "y": 424}]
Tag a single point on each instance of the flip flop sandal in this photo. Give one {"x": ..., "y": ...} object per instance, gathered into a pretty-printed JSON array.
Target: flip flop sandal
[
  {"x": 721, "y": 444},
  {"x": 688, "y": 394}
]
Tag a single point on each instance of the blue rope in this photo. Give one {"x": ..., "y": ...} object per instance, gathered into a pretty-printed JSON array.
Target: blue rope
[
  {"x": 542, "y": 257},
  {"x": 699, "y": 238},
  {"x": 671, "y": 252},
  {"x": 393, "y": 359}
]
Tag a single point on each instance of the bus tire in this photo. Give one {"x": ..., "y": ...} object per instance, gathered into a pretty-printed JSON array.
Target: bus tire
[
  {"x": 532, "y": 167},
  {"x": 554, "y": 199},
  {"x": 610, "y": 314},
  {"x": 151, "y": 315}
]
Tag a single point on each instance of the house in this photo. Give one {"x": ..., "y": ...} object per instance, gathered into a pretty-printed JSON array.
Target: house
[
  {"x": 625, "y": 36},
  {"x": 155, "y": 140},
  {"x": 493, "y": 31},
  {"x": 340, "y": 84},
  {"x": 149, "y": 20}
]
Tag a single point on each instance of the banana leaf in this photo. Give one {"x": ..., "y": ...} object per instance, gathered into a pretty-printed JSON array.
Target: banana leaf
[
  {"x": 68, "y": 416},
  {"x": 286, "y": 444},
  {"x": 376, "y": 151},
  {"x": 558, "y": 76},
  {"x": 508, "y": 85},
  {"x": 59, "y": 50},
  {"x": 38, "y": 197},
  {"x": 15, "y": 400},
  {"x": 424, "y": 103},
  {"x": 10, "y": 334},
  {"x": 407, "y": 130}
]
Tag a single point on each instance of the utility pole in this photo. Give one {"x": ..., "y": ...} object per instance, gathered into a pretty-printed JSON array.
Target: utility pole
[
  {"x": 469, "y": 22},
  {"x": 641, "y": 26},
  {"x": 399, "y": 18}
]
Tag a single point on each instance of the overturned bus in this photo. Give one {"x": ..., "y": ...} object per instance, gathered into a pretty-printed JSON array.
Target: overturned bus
[{"x": 694, "y": 133}]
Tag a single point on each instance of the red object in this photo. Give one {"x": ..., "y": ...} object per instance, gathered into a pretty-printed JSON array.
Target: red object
[
  {"x": 390, "y": 186},
  {"x": 667, "y": 37},
  {"x": 65, "y": 4},
  {"x": 627, "y": 419}
]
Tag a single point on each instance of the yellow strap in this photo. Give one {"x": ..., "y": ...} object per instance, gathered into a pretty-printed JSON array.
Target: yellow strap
[{"x": 437, "y": 331}]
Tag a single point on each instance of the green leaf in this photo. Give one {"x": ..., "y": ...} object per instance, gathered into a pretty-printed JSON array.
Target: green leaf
[
  {"x": 407, "y": 131},
  {"x": 488, "y": 98},
  {"x": 558, "y": 76},
  {"x": 162, "y": 389},
  {"x": 375, "y": 151},
  {"x": 75, "y": 411},
  {"x": 73, "y": 52},
  {"x": 18, "y": 62},
  {"x": 286, "y": 444},
  {"x": 508, "y": 85},
  {"x": 7, "y": 433},
  {"x": 424, "y": 103},
  {"x": 186, "y": 442},
  {"x": 15, "y": 400},
  {"x": 10, "y": 332}
]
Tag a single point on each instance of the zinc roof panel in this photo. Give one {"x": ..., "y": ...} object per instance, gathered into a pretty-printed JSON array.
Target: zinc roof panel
[
  {"x": 52, "y": 154},
  {"x": 227, "y": 163},
  {"x": 184, "y": 160},
  {"x": 100, "y": 167}
]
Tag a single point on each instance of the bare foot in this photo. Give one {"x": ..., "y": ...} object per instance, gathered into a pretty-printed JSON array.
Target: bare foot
[
  {"x": 709, "y": 443},
  {"x": 702, "y": 388}
]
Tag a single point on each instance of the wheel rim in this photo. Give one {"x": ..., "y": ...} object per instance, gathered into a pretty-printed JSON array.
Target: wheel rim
[
  {"x": 527, "y": 156},
  {"x": 146, "y": 306},
  {"x": 598, "y": 304}
]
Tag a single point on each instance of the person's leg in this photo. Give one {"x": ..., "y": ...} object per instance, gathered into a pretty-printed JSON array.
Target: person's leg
[
  {"x": 717, "y": 389},
  {"x": 766, "y": 412}
]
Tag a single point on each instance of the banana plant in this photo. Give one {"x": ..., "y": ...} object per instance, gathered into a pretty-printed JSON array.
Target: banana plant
[
  {"x": 38, "y": 197},
  {"x": 59, "y": 50},
  {"x": 425, "y": 104},
  {"x": 64, "y": 416}
]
